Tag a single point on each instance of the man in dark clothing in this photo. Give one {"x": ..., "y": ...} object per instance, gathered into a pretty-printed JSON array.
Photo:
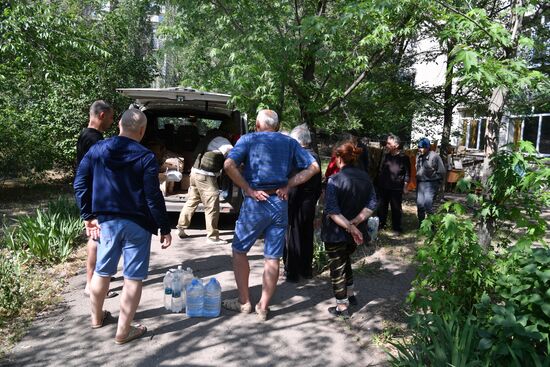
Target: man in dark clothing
[
  {"x": 393, "y": 179},
  {"x": 430, "y": 172},
  {"x": 101, "y": 119},
  {"x": 117, "y": 191}
]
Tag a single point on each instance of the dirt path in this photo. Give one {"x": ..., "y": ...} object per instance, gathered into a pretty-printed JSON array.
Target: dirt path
[{"x": 299, "y": 332}]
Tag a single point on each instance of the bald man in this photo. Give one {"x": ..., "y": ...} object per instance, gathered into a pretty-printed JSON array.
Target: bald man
[
  {"x": 117, "y": 191},
  {"x": 269, "y": 158}
]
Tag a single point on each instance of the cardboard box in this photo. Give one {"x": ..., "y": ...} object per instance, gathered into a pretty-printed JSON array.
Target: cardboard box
[
  {"x": 184, "y": 183},
  {"x": 166, "y": 187}
]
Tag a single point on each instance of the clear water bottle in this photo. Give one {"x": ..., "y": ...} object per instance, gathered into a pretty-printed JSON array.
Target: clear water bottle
[
  {"x": 177, "y": 299},
  {"x": 212, "y": 298},
  {"x": 168, "y": 290},
  {"x": 372, "y": 227},
  {"x": 186, "y": 278},
  {"x": 195, "y": 298}
]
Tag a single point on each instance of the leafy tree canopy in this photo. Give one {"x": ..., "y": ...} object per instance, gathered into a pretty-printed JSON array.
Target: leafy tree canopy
[{"x": 57, "y": 58}]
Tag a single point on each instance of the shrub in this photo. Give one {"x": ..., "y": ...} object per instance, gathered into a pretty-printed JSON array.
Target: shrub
[
  {"x": 447, "y": 340},
  {"x": 453, "y": 270},
  {"x": 488, "y": 300},
  {"x": 49, "y": 236},
  {"x": 320, "y": 258},
  {"x": 517, "y": 321},
  {"x": 11, "y": 295}
]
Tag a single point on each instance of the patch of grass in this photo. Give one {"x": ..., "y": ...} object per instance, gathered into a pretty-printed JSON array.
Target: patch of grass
[
  {"x": 42, "y": 287},
  {"x": 368, "y": 268},
  {"x": 390, "y": 331},
  {"x": 30, "y": 280}
]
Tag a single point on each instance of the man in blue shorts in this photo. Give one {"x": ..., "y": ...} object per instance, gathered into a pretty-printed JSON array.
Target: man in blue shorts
[
  {"x": 268, "y": 157},
  {"x": 117, "y": 191}
]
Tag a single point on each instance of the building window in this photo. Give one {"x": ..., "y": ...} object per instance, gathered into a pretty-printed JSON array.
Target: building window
[
  {"x": 473, "y": 132},
  {"x": 534, "y": 128}
]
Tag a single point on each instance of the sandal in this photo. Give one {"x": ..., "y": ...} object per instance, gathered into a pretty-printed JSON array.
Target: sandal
[
  {"x": 136, "y": 331},
  {"x": 262, "y": 314},
  {"x": 107, "y": 317},
  {"x": 111, "y": 294},
  {"x": 233, "y": 304}
]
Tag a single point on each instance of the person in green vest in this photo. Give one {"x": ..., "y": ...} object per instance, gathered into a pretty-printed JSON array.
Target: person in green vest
[{"x": 203, "y": 186}]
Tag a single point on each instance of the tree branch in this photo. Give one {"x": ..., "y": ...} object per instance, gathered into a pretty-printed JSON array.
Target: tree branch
[
  {"x": 229, "y": 14},
  {"x": 476, "y": 23},
  {"x": 338, "y": 101}
]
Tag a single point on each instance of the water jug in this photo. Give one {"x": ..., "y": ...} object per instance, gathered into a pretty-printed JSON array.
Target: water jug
[
  {"x": 212, "y": 298},
  {"x": 195, "y": 298}
]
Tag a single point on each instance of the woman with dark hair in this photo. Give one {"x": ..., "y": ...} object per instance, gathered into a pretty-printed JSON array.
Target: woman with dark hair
[{"x": 349, "y": 201}]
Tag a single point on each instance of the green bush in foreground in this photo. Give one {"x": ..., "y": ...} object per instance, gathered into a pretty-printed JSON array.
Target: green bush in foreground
[
  {"x": 11, "y": 295},
  {"x": 33, "y": 241},
  {"x": 486, "y": 304},
  {"x": 49, "y": 236}
]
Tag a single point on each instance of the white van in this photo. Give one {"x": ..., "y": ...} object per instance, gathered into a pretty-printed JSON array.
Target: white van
[{"x": 177, "y": 119}]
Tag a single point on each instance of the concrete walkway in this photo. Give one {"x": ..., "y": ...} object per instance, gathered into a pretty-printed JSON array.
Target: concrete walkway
[{"x": 299, "y": 332}]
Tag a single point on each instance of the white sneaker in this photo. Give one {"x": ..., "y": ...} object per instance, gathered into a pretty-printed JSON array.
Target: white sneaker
[
  {"x": 181, "y": 233},
  {"x": 219, "y": 241}
]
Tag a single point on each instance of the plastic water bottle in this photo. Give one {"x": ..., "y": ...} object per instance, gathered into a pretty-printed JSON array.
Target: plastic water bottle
[
  {"x": 195, "y": 298},
  {"x": 372, "y": 227},
  {"x": 186, "y": 278},
  {"x": 212, "y": 298},
  {"x": 177, "y": 299},
  {"x": 168, "y": 290}
]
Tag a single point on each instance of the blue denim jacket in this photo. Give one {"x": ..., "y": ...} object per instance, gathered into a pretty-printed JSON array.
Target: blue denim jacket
[{"x": 347, "y": 193}]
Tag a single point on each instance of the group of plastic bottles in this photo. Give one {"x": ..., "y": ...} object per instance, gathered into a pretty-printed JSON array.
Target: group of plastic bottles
[{"x": 183, "y": 292}]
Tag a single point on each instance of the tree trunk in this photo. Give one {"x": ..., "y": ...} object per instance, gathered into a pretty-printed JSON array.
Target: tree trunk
[
  {"x": 448, "y": 106},
  {"x": 495, "y": 113}
]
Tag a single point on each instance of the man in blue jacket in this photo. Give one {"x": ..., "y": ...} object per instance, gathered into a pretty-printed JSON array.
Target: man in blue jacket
[{"x": 117, "y": 191}]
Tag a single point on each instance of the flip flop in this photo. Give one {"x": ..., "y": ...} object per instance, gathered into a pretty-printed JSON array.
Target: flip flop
[
  {"x": 107, "y": 317},
  {"x": 111, "y": 294},
  {"x": 136, "y": 331}
]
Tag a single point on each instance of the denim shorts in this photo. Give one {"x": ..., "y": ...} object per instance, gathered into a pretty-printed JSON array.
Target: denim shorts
[
  {"x": 123, "y": 237},
  {"x": 257, "y": 217}
]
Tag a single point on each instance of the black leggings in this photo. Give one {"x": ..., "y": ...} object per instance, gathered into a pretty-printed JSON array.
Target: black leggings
[{"x": 341, "y": 275}]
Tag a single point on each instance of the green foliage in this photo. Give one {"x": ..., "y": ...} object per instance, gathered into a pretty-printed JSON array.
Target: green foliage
[
  {"x": 440, "y": 340},
  {"x": 299, "y": 58},
  {"x": 498, "y": 295},
  {"x": 516, "y": 192},
  {"x": 453, "y": 270},
  {"x": 48, "y": 237},
  {"x": 516, "y": 318},
  {"x": 11, "y": 293},
  {"x": 320, "y": 257},
  {"x": 57, "y": 58}
]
